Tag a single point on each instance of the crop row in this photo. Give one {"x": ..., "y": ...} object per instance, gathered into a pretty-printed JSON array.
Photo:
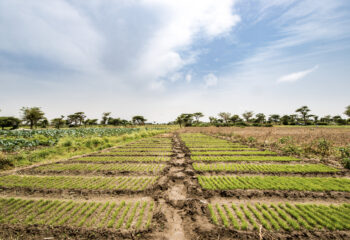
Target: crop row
[
  {"x": 281, "y": 217},
  {"x": 116, "y": 153},
  {"x": 205, "y": 149},
  {"x": 112, "y": 215},
  {"x": 267, "y": 168},
  {"x": 244, "y": 158},
  {"x": 160, "y": 149},
  {"x": 58, "y": 133},
  {"x": 98, "y": 167},
  {"x": 122, "y": 159},
  {"x": 74, "y": 182},
  {"x": 218, "y": 153},
  {"x": 274, "y": 183}
]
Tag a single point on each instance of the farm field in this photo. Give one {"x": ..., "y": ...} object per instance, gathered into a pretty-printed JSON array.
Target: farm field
[
  {"x": 263, "y": 194},
  {"x": 177, "y": 185}
]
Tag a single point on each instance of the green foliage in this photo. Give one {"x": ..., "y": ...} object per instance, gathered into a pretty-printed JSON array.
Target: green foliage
[
  {"x": 274, "y": 183},
  {"x": 284, "y": 216},
  {"x": 98, "y": 167},
  {"x": 74, "y": 213},
  {"x": 70, "y": 182},
  {"x": 244, "y": 158},
  {"x": 266, "y": 168},
  {"x": 9, "y": 122}
]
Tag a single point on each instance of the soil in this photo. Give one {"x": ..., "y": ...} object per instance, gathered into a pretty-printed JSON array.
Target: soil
[{"x": 181, "y": 206}]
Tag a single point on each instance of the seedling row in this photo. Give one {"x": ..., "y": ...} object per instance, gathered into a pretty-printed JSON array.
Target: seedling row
[
  {"x": 108, "y": 215},
  {"x": 228, "y": 153},
  {"x": 274, "y": 183},
  {"x": 281, "y": 217},
  {"x": 244, "y": 158},
  {"x": 127, "y": 153},
  {"x": 98, "y": 167},
  {"x": 122, "y": 159},
  {"x": 264, "y": 168},
  {"x": 73, "y": 182}
]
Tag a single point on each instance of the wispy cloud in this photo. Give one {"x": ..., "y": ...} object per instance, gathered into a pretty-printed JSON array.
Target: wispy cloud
[
  {"x": 210, "y": 80},
  {"x": 296, "y": 76}
]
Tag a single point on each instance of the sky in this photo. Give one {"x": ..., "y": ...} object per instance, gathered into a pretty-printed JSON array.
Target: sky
[{"x": 161, "y": 58}]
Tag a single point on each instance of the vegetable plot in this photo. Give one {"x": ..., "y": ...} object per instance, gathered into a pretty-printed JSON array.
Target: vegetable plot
[
  {"x": 97, "y": 167},
  {"x": 275, "y": 183},
  {"x": 266, "y": 168},
  {"x": 281, "y": 216},
  {"x": 70, "y": 182},
  {"x": 109, "y": 215}
]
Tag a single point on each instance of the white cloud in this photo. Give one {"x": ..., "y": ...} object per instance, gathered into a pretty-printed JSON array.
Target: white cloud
[
  {"x": 210, "y": 80},
  {"x": 183, "y": 22},
  {"x": 293, "y": 77},
  {"x": 188, "y": 78}
]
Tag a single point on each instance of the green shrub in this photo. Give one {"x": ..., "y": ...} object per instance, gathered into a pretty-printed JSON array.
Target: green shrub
[{"x": 346, "y": 163}]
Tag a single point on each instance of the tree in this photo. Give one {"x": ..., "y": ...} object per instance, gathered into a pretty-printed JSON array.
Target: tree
[
  {"x": 304, "y": 110},
  {"x": 105, "y": 117},
  {"x": 58, "y": 122},
  {"x": 225, "y": 116},
  {"x": 274, "y": 118},
  {"x": 32, "y": 115},
  {"x": 139, "y": 120},
  {"x": 185, "y": 119},
  {"x": 235, "y": 118},
  {"x": 260, "y": 118},
  {"x": 285, "y": 119},
  {"x": 76, "y": 119},
  {"x": 44, "y": 122},
  {"x": 90, "y": 122},
  {"x": 11, "y": 122},
  {"x": 213, "y": 120},
  {"x": 197, "y": 116},
  {"x": 248, "y": 115},
  {"x": 347, "y": 111}
]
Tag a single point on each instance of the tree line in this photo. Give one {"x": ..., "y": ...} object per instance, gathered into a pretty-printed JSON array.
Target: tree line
[
  {"x": 302, "y": 116},
  {"x": 34, "y": 117}
]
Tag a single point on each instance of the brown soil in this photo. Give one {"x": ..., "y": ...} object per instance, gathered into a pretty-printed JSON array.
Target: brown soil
[{"x": 180, "y": 206}]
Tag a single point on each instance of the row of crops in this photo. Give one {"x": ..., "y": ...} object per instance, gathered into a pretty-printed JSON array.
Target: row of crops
[
  {"x": 71, "y": 213},
  {"x": 213, "y": 159},
  {"x": 84, "y": 173},
  {"x": 14, "y": 140},
  {"x": 281, "y": 216}
]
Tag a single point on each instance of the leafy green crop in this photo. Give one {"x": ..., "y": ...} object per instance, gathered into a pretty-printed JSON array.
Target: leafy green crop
[{"x": 275, "y": 183}]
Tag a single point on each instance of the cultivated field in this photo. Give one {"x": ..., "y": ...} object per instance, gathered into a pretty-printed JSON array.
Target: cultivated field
[{"x": 184, "y": 184}]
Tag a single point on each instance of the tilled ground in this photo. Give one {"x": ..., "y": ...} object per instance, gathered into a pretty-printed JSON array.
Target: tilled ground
[{"x": 180, "y": 204}]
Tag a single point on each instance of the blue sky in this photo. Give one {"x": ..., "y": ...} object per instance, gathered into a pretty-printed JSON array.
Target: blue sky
[{"x": 161, "y": 58}]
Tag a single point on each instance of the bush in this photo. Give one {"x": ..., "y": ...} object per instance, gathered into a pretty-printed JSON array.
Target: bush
[
  {"x": 5, "y": 163},
  {"x": 346, "y": 163}
]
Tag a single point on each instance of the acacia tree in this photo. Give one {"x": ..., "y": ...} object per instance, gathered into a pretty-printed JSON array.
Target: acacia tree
[
  {"x": 139, "y": 120},
  {"x": 347, "y": 111},
  {"x": 235, "y": 118},
  {"x": 11, "y": 122},
  {"x": 76, "y": 119},
  {"x": 32, "y": 115},
  {"x": 197, "y": 116},
  {"x": 58, "y": 122},
  {"x": 304, "y": 110},
  {"x": 185, "y": 119},
  {"x": 105, "y": 117},
  {"x": 225, "y": 116},
  {"x": 260, "y": 118},
  {"x": 248, "y": 115},
  {"x": 274, "y": 118}
]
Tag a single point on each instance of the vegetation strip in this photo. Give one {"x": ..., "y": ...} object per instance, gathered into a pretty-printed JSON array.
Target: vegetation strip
[
  {"x": 281, "y": 217},
  {"x": 70, "y": 182},
  {"x": 217, "y": 153},
  {"x": 268, "y": 168},
  {"x": 77, "y": 214},
  {"x": 121, "y": 159},
  {"x": 98, "y": 167},
  {"x": 274, "y": 183},
  {"x": 244, "y": 158}
]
